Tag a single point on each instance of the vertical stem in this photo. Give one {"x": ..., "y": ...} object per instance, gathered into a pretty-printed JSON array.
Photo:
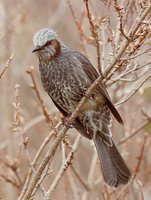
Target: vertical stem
[{"x": 95, "y": 35}]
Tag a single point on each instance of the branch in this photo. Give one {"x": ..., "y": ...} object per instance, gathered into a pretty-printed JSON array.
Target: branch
[
  {"x": 136, "y": 87},
  {"x": 131, "y": 185},
  {"x": 127, "y": 72},
  {"x": 140, "y": 158},
  {"x": 6, "y": 66},
  {"x": 78, "y": 24},
  {"x": 49, "y": 119},
  {"x": 143, "y": 125},
  {"x": 91, "y": 173},
  {"x": 36, "y": 159},
  {"x": 120, "y": 13},
  {"x": 64, "y": 167},
  {"x": 82, "y": 35},
  {"x": 126, "y": 43},
  {"x": 138, "y": 55},
  {"x": 81, "y": 180},
  {"x": 95, "y": 35},
  {"x": 9, "y": 180}
]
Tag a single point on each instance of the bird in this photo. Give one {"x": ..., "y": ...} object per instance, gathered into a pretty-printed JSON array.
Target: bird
[{"x": 66, "y": 74}]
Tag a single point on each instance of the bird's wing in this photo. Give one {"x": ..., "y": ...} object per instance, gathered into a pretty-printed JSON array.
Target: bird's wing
[
  {"x": 63, "y": 112},
  {"x": 93, "y": 75}
]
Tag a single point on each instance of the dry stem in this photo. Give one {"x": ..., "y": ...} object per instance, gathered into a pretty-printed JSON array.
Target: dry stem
[
  {"x": 6, "y": 66},
  {"x": 64, "y": 167}
]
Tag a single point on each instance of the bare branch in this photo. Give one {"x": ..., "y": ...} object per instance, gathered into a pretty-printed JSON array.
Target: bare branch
[
  {"x": 95, "y": 35},
  {"x": 143, "y": 125},
  {"x": 136, "y": 87},
  {"x": 140, "y": 157},
  {"x": 125, "y": 44},
  {"x": 81, "y": 180},
  {"x": 6, "y": 65},
  {"x": 49, "y": 119},
  {"x": 64, "y": 167},
  {"x": 36, "y": 159}
]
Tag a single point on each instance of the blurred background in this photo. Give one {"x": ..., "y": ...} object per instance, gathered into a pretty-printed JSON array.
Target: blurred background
[{"x": 19, "y": 22}]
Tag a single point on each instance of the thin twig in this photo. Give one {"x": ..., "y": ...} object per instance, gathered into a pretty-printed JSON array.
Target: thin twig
[
  {"x": 126, "y": 43},
  {"x": 36, "y": 158},
  {"x": 140, "y": 158},
  {"x": 81, "y": 180},
  {"x": 78, "y": 25},
  {"x": 73, "y": 185},
  {"x": 9, "y": 180},
  {"x": 136, "y": 87},
  {"x": 127, "y": 72},
  {"x": 64, "y": 167},
  {"x": 90, "y": 179},
  {"x": 138, "y": 55},
  {"x": 95, "y": 36},
  {"x": 82, "y": 36},
  {"x": 6, "y": 66},
  {"x": 143, "y": 125},
  {"x": 125, "y": 190},
  {"x": 49, "y": 119}
]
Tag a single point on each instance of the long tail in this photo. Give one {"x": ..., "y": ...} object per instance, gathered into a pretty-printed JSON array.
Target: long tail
[{"x": 114, "y": 169}]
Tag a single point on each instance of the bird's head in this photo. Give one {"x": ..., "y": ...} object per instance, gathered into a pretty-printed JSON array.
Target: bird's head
[{"x": 46, "y": 43}]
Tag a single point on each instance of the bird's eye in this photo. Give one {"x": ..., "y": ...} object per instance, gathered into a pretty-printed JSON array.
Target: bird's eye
[{"x": 48, "y": 43}]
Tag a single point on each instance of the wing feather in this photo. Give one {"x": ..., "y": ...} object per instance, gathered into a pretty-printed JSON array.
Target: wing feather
[{"x": 93, "y": 75}]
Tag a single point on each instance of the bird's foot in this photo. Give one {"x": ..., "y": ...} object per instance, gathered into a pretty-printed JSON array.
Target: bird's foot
[
  {"x": 89, "y": 96},
  {"x": 66, "y": 122}
]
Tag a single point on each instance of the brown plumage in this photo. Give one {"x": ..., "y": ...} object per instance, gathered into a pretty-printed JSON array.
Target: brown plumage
[{"x": 66, "y": 75}]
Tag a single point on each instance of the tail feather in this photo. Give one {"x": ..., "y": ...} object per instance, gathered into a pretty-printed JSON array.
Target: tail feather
[{"x": 114, "y": 169}]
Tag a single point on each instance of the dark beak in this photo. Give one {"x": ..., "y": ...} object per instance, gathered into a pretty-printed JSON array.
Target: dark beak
[{"x": 37, "y": 48}]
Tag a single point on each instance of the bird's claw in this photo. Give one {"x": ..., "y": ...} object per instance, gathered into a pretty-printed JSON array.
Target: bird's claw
[
  {"x": 66, "y": 122},
  {"x": 89, "y": 96}
]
